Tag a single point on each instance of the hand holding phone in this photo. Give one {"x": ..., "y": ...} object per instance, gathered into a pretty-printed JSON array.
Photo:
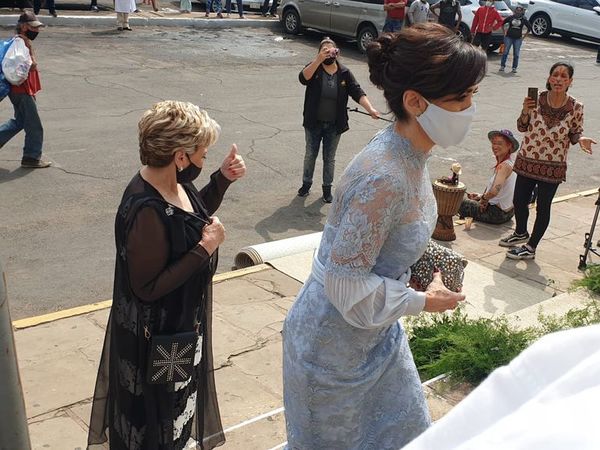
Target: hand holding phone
[{"x": 532, "y": 93}]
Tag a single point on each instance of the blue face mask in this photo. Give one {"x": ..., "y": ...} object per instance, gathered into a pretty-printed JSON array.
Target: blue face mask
[{"x": 446, "y": 128}]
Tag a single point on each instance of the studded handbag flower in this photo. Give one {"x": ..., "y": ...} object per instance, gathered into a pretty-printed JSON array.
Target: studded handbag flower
[
  {"x": 171, "y": 357},
  {"x": 450, "y": 263}
]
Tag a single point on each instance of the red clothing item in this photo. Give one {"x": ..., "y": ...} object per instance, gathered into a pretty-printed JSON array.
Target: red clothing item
[
  {"x": 30, "y": 86},
  {"x": 396, "y": 13},
  {"x": 486, "y": 20}
]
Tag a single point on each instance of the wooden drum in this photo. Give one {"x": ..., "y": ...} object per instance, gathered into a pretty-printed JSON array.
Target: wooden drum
[{"x": 448, "y": 198}]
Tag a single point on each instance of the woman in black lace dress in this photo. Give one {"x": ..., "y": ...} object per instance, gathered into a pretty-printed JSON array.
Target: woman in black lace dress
[{"x": 167, "y": 240}]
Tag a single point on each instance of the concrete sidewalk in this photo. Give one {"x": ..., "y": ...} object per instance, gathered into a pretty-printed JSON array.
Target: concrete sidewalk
[
  {"x": 167, "y": 16},
  {"x": 58, "y": 354}
]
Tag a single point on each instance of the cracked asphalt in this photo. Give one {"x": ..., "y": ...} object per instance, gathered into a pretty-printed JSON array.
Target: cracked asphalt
[{"x": 56, "y": 226}]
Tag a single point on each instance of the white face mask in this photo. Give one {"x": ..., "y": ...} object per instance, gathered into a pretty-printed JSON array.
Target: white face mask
[
  {"x": 446, "y": 128},
  {"x": 489, "y": 3}
]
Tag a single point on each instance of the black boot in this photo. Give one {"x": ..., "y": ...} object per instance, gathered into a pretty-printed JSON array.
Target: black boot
[
  {"x": 304, "y": 190},
  {"x": 327, "y": 198}
]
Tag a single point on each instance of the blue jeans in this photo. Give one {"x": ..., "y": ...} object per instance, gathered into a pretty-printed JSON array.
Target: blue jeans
[
  {"x": 326, "y": 132},
  {"x": 28, "y": 119},
  {"x": 217, "y": 5},
  {"x": 392, "y": 25},
  {"x": 516, "y": 44},
  {"x": 240, "y": 7}
]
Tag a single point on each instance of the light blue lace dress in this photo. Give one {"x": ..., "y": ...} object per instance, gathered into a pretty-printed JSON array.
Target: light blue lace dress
[{"x": 349, "y": 378}]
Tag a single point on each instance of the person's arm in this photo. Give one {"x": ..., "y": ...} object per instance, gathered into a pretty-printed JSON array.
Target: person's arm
[
  {"x": 502, "y": 175},
  {"x": 148, "y": 247},
  {"x": 505, "y": 23},
  {"x": 212, "y": 194},
  {"x": 434, "y": 7},
  {"x": 363, "y": 298},
  {"x": 497, "y": 21},
  {"x": 529, "y": 105},
  {"x": 365, "y": 103},
  {"x": 309, "y": 70},
  {"x": 527, "y": 27},
  {"x": 411, "y": 11},
  {"x": 576, "y": 131},
  {"x": 459, "y": 12},
  {"x": 475, "y": 21}
]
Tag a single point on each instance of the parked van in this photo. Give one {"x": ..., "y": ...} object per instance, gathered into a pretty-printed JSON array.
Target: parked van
[{"x": 362, "y": 20}]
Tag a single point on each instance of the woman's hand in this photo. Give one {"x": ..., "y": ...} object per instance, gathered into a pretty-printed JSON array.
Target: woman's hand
[
  {"x": 438, "y": 297},
  {"x": 233, "y": 166},
  {"x": 473, "y": 196},
  {"x": 586, "y": 144},
  {"x": 374, "y": 113},
  {"x": 323, "y": 54},
  {"x": 529, "y": 105},
  {"x": 213, "y": 235}
]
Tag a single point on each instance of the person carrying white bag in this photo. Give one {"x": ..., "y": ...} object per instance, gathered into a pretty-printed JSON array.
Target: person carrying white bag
[{"x": 20, "y": 70}]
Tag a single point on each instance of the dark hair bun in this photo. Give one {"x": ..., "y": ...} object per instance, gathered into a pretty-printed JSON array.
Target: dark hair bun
[{"x": 378, "y": 54}]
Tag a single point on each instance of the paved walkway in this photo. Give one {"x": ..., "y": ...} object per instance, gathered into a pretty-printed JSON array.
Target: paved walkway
[
  {"x": 167, "y": 16},
  {"x": 58, "y": 354}
]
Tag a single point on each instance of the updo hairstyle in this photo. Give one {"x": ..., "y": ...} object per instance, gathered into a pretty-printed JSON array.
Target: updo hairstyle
[{"x": 427, "y": 58}]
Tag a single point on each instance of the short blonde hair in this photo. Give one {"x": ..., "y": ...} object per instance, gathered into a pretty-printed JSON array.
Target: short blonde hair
[{"x": 170, "y": 126}]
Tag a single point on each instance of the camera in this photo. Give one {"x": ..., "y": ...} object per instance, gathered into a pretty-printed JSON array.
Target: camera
[{"x": 334, "y": 52}]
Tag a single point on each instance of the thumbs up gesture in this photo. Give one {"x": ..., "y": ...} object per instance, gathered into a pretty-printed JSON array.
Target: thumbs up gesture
[{"x": 233, "y": 166}]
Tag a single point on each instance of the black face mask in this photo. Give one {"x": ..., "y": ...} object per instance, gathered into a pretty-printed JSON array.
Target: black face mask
[
  {"x": 31, "y": 35},
  {"x": 189, "y": 174},
  {"x": 329, "y": 61}
]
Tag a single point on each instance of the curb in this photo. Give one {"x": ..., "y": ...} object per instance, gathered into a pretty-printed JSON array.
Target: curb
[
  {"x": 109, "y": 22},
  {"x": 92, "y": 307}
]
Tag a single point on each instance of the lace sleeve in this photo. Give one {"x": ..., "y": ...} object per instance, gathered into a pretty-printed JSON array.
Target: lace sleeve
[{"x": 365, "y": 299}]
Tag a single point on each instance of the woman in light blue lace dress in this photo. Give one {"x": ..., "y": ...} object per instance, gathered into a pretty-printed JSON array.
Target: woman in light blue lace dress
[{"x": 350, "y": 382}]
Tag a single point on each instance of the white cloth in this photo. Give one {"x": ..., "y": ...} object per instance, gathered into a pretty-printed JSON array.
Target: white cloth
[
  {"x": 125, "y": 6},
  {"x": 546, "y": 399},
  {"x": 504, "y": 199},
  {"x": 418, "y": 12}
]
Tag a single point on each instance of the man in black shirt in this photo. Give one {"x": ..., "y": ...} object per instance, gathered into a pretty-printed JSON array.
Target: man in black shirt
[
  {"x": 513, "y": 37},
  {"x": 449, "y": 15}
]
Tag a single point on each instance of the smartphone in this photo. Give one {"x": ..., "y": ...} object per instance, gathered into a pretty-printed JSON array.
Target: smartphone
[{"x": 532, "y": 93}]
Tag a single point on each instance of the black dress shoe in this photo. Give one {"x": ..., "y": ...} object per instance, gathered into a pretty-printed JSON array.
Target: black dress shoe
[
  {"x": 327, "y": 197},
  {"x": 304, "y": 190}
]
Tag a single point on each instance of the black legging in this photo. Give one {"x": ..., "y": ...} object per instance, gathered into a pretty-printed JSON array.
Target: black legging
[{"x": 523, "y": 189}]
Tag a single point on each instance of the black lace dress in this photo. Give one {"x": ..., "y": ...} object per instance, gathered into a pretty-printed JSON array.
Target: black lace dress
[{"x": 163, "y": 280}]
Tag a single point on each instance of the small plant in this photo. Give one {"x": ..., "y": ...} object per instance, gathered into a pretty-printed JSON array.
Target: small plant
[
  {"x": 591, "y": 279},
  {"x": 470, "y": 349},
  {"x": 467, "y": 349}
]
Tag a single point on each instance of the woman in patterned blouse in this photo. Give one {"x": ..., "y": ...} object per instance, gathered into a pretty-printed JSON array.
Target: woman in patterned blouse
[{"x": 550, "y": 127}]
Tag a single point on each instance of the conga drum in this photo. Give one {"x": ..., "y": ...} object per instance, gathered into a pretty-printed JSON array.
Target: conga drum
[{"x": 448, "y": 198}]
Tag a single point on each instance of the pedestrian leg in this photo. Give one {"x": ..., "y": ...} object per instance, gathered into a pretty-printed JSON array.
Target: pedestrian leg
[
  {"x": 313, "y": 138},
  {"x": 523, "y": 188},
  {"x": 11, "y": 127},
  {"x": 240, "y": 8},
  {"x": 516, "y": 53},
  {"x": 37, "y": 5},
  {"x": 546, "y": 192},
  {"x": 51, "y": 7},
  {"x": 32, "y": 124},
  {"x": 508, "y": 43},
  {"x": 331, "y": 140}
]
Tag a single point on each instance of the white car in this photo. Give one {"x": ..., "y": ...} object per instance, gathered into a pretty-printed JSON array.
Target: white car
[{"x": 569, "y": 18}]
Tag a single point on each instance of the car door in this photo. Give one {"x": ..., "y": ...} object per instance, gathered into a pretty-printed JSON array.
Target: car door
[
  {"x": 588, "y": 20},
  {"x": 316, "y": 14},
  {"x": 562, "y": 13},
  {"x": 345, "y": 15}
]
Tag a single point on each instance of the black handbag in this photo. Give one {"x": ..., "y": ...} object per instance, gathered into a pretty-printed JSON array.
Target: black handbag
[{"x": 170, "y": 357}]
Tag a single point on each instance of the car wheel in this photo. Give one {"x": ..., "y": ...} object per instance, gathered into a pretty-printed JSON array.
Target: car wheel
[
  {"x": 291, "y": 21},
  {"x": 465, "y": 32},
  {"x": 541, "y": 25},
  {"x": 364, "y": 37},
  {"x": 493, "y": 48}
]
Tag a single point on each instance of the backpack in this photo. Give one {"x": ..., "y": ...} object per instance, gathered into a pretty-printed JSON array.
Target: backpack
[{"x": 4, "y": 85}]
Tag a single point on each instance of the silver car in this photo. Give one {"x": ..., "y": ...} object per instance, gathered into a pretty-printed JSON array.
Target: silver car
[{"x": 362, "y": 20}]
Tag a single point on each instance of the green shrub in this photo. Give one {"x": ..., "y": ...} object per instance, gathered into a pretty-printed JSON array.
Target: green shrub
[
  {"x": 470, "y": 349},
  {"x": 591, "y": 279}
]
